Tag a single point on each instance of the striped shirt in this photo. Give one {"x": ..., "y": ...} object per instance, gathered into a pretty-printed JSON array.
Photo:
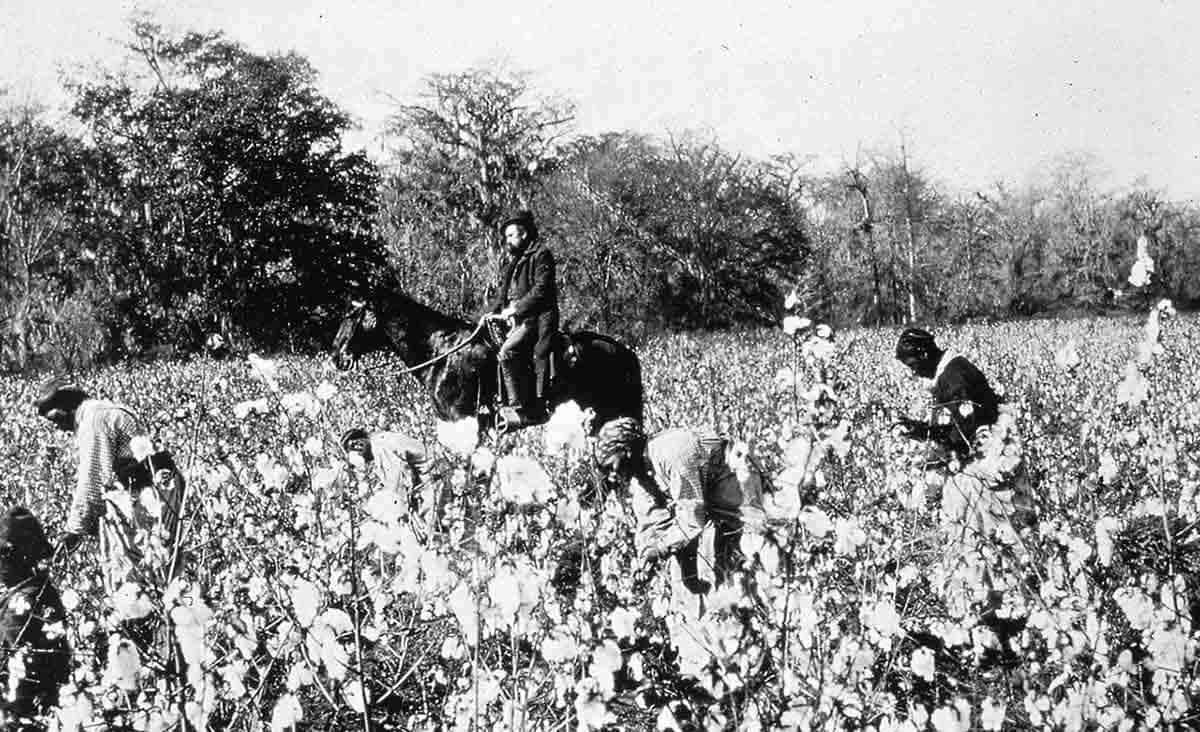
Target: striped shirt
[{"x": 103, "y": 431}]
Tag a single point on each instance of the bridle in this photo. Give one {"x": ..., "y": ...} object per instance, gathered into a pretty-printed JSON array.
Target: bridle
[{"x": 361, "y": 315}]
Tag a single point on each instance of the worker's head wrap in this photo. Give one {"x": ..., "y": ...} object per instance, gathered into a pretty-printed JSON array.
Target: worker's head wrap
[
  {"x": 618, "y": 442},
  {"x": 916, "y": 343}
]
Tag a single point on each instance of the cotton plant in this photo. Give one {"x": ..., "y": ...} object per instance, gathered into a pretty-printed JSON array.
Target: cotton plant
[
  {"x": 819, "y": 431},
  {"x": 1142, "y": 271}
]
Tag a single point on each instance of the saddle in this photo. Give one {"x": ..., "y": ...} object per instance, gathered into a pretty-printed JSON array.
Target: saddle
[{"x": 561, "y": 356}]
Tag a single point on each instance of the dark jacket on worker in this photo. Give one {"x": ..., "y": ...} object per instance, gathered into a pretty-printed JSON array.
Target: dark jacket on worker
[
  {"x": 963, "y": 401},
  {"x": 529, "y": 283}
]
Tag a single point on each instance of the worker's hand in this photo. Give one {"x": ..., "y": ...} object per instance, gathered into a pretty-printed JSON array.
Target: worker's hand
[
  {"x": 909, "y": 427},
  {"x": 508, "y": 312},
  {"x": 647, "y": 566},
  {"x": 67, "y": 543}
]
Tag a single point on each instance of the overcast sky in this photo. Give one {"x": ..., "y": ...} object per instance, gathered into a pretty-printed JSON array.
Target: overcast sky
[{"x": 982, "y": 91}]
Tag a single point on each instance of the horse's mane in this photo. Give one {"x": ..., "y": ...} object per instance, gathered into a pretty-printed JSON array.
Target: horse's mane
[{"x": 395, "y": 303}]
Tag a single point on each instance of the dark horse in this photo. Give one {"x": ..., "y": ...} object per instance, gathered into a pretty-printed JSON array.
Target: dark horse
[{"x": 593, "y": 370}]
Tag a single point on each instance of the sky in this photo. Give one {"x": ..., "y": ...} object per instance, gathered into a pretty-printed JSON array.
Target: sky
[{"x": 979, "y": 91}]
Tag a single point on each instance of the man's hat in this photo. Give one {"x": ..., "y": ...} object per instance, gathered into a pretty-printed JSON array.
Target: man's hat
[
  {"x": 21, "y": 529},
  {"x": 524, "y": 219}
]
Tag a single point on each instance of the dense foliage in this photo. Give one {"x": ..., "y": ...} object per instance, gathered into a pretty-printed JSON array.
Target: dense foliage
[
  {"x": 307, "y": 600},
  {"x": 211, "y": 194},
  {"x": 211, "y": 191},
  {"x": 230, "y": 203}
]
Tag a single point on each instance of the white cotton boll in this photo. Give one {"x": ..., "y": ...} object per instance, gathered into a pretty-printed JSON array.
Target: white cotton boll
[
  {"x": 325, "y": 391},
  {"x": 793, "y": 324},
  {"x": 623, "y": 622},
  {"x": 306, "y": 600},
  {"x": 241, "y": 410},
  {"x": 151, "y": 502},
  {"x": 122, "y": 501},
  {"x": 123, "y": 665},
  {"x": 849, "y": 536},
  {"x": 922, "y": 663},
  {"x": 386, "y": 507},
  {"x": 1140, "y": 273},
  {"x": 567, "y": 430},
  {"x": 991, "y": 715},
  {"x": 459, "y": 437},
  {"x": 560, "y": 647},
  {"x": 522, "y": 481},
  {"x": 141, "y": 447},
  {"x": 300, "y": 402},
  {"x": 1067, "y": 358},
  {"x": 883, "y": 618},
  {"x": 130, "y": 603},
  {"x": 190, "y": 622},
  {"x": 287, "y": 713},
  {"x": 265, "y": 369},
  {"x": 482, "y": 462}
]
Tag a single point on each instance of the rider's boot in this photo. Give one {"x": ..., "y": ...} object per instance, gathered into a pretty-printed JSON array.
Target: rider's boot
[
  {"x": 518, "y": 382},
  {"x": 541, "y": 372}
]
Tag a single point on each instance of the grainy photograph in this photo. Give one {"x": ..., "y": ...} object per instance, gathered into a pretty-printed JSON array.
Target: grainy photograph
[{"x": 554, "y": 366}]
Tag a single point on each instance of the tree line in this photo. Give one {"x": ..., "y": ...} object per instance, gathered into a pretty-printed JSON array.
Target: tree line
[{"x": 205, "y": 188}]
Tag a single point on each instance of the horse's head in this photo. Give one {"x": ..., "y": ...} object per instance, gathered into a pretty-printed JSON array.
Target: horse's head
[{"x": 357, "y": 335}]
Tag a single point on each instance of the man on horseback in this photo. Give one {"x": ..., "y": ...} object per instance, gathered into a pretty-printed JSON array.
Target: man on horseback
[{"x": 528, "y": 297}]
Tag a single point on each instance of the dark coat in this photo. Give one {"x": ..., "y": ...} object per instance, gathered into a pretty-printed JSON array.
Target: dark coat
[
  {"x": 529, "y": 283},
  {"x": 963, "y": 401}
]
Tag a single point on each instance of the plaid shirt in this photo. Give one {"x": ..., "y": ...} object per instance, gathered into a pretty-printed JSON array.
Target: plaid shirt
[
  {"x": 103, "y": 431},
  {"x": 686, "y": 464}
]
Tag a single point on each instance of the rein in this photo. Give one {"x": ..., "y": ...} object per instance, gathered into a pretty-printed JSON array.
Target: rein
[{"x": 461, "y": 345}]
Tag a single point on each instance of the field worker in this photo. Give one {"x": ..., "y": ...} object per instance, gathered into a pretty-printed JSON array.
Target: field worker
[
  {"x": 104, "y": 434},
  {"x": 528, "y": 295},
  {"x": 963, "y": 401},
  {"x": 402, "y": 463},
  {"x": 34, "y": 655},
  {"x": 680, "y": 481},
  {"x": 976, "y": 447}
]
